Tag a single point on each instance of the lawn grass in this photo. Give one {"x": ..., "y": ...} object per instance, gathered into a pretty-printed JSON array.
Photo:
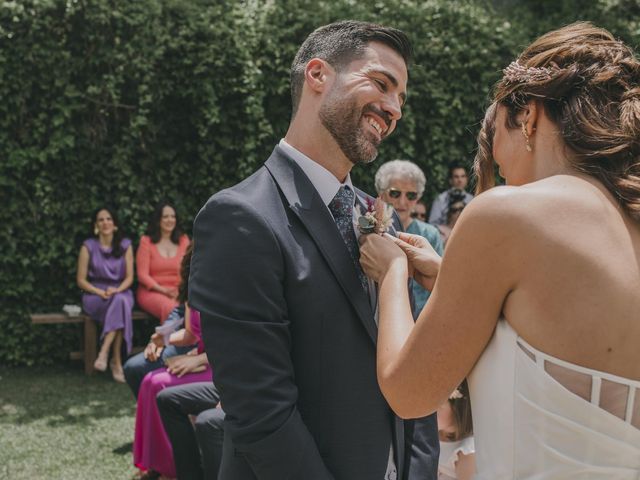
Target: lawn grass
[{"x": 57, "y": 423}]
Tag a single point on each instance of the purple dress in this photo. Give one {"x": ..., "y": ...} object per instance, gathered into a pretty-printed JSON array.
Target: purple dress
[{"x": 106, "y": 271}]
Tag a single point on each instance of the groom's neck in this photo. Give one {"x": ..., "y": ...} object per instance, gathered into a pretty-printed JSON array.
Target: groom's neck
[{"x": 315, "y": 141}]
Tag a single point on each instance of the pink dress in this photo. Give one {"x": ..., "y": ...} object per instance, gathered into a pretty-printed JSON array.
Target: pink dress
[
  {"x": 151, "y": 446},
  {"x": 154, "y": 269}
]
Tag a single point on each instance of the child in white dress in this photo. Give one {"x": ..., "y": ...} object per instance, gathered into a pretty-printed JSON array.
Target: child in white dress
[{"x": 455, "y": 428}]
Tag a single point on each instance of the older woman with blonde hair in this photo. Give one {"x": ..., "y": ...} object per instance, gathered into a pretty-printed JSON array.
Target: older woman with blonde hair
[{"x": 547, "y": 328}]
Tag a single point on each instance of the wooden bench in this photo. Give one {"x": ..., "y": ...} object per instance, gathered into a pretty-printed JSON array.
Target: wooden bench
[{"x": 89, "y": 350}]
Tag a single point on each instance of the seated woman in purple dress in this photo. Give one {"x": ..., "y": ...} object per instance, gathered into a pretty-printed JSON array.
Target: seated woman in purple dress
[{"x": 105, "y": 274}]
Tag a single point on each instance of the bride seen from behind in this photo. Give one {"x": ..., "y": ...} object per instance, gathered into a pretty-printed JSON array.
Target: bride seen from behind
[{"x": 537, "y": 297}]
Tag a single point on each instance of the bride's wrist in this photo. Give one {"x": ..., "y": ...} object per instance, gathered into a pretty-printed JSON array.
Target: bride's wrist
[{"x": 397, "y": 268}]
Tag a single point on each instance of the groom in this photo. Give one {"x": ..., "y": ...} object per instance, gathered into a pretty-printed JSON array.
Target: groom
[{"x": 287, "y": 314}]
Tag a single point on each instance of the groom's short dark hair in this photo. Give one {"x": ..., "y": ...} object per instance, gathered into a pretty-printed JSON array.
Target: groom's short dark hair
[{"x": 339, "y": 44}]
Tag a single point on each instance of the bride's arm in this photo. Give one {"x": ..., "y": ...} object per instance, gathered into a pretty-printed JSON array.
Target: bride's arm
[{"x": 420, "y": 365}]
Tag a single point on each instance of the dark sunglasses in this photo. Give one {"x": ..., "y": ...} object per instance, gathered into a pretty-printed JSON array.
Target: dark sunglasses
[{"x": 394, "y": 193}]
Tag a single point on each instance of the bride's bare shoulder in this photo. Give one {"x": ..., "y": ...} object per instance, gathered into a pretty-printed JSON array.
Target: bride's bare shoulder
[
  {"x": 535, "y": 202},
  {"x": 502, "y": 204}
]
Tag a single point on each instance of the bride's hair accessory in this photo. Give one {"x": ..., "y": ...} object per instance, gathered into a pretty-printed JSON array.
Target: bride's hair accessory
[
  {"x": 377, "y": 218},
  {"x": 518, "y": 73}
]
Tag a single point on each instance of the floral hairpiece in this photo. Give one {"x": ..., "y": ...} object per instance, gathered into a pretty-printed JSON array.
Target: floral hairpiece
[
  {"x": 518, "y": 73},
  {"x": 377, "y": 218}
]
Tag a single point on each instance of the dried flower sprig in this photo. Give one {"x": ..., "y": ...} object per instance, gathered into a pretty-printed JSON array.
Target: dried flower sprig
[
  {"x": 518, "y": 73},
  {"x": 377, "y": 218}
]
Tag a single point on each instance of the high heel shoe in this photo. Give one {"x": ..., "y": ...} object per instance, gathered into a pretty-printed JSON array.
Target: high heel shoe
[
  {"x": 116, "y": 372},
  {"x": 146, "y": 475},
  {"x": 100, "y": 364}
]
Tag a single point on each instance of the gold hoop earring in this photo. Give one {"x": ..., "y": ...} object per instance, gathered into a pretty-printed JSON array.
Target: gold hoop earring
[
  {"x": 115, "y": 229},
  {"x": 526, "y": 137},
  {"x": 96, "y": 231}
]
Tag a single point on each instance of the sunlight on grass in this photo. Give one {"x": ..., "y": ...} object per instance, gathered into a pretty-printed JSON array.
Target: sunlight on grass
[{"x": 58, "y": 423}]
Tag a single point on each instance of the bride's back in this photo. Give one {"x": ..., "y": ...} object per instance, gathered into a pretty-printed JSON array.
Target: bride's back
[
  {"x": 573, "y": 100},
  {"x": 578, "y": 295},
  {"x": 556, "y": 392}
]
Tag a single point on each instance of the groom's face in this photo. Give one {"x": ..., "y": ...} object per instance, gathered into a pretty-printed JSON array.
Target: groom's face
[{"x": 365, "y": 101}]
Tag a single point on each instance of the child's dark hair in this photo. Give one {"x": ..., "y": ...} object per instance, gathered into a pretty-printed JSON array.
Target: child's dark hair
[
  {"x": 460, "y": 403},
  {"x": 456, "y": 195}
]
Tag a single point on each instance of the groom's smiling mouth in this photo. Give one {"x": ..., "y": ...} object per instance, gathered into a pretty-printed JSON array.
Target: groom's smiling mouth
[{"x": 377, "y": 125}]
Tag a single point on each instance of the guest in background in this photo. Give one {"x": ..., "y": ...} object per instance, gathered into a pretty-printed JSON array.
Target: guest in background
[
  {"x": 105, "y": 273},
  {"x": 420, "y": 211},
  {"x": 152, "y": 452},
  {"x": 455, "y": 428},
  {"x": 458, "y": 180},
  {"x": 457, "y": 199},
  {"x": 197, "y": 445},
  {"x": 158, "y": 260},
  {"x": 401, "y": 183},
  {"x": 154, "y": 356}
]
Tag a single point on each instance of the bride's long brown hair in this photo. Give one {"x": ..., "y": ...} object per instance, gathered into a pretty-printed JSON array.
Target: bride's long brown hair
[{"x": 589, "y": 85}]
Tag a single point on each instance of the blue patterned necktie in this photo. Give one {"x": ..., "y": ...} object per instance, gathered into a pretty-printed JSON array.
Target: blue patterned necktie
[{"x": 341, "y": 208}]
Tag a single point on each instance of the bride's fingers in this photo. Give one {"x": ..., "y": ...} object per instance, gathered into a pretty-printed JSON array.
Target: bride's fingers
[
  {"x": 407, "y": 248},
  {"x": 415, "y": 240},
  {"x": 398, "y": 241}
]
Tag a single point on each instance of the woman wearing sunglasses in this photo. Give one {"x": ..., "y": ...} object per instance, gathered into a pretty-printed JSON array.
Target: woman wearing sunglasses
[{"x": 401, "y": 183}]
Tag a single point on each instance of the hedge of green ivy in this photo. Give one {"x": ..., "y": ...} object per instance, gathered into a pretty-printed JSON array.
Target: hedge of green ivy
[{"x": 128, "y": 102}]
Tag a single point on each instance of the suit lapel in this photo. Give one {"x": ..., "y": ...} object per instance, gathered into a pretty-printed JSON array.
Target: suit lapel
[
  {"x": 362, "y": 200},
  {"x": 306, "y": 203}
]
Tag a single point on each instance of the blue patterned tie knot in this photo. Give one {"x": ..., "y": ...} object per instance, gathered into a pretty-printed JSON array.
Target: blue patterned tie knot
[{"x": 341, "y": 208}]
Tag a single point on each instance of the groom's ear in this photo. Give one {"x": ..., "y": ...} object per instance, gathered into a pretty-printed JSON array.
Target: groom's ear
[{"x": 318, "y": 74}]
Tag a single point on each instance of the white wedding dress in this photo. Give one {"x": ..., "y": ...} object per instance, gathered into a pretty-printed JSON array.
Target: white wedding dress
[{"x": 538, "y": 417}]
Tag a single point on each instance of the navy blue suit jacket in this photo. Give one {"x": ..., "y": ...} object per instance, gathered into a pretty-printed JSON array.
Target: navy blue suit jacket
[{"x": 292, "y": 339}]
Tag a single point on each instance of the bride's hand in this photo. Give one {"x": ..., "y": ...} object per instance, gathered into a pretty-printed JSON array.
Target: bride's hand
[
  {"x": 377, "y": 254},
  {"x": 423, "y": 259}
]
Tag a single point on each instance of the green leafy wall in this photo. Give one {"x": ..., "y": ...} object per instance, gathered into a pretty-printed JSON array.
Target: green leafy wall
[{"x": 127, "y": 102}]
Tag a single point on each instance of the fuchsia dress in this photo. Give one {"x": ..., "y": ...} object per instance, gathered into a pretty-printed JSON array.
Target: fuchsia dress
[{"x": 151, "y": 446}]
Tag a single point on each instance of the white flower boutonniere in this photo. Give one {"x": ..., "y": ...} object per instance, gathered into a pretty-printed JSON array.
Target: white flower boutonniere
[{"x": 377, "y": 218}]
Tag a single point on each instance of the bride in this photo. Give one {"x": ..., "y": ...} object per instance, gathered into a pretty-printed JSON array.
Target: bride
[{"x": 537, "y": 299}]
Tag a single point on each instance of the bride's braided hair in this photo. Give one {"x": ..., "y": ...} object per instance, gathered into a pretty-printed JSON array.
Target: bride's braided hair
[{"x": 589, "y": 84}]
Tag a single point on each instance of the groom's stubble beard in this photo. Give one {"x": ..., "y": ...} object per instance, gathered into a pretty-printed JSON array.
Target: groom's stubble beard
[{"x": 342, "y": 118}]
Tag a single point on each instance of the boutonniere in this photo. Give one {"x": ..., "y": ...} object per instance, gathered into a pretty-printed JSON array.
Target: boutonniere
[{"x": 377, "y": 218}]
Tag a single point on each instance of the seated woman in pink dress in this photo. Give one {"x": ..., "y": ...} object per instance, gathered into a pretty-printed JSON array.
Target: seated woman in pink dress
[
  {"x": 105, "y": 273},
  {"x": 152, "y": 452},
  {"x": 158, "y": 261}
]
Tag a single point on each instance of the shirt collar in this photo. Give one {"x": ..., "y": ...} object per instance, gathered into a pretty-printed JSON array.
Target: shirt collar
[{"x": 326, "y": 184}]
